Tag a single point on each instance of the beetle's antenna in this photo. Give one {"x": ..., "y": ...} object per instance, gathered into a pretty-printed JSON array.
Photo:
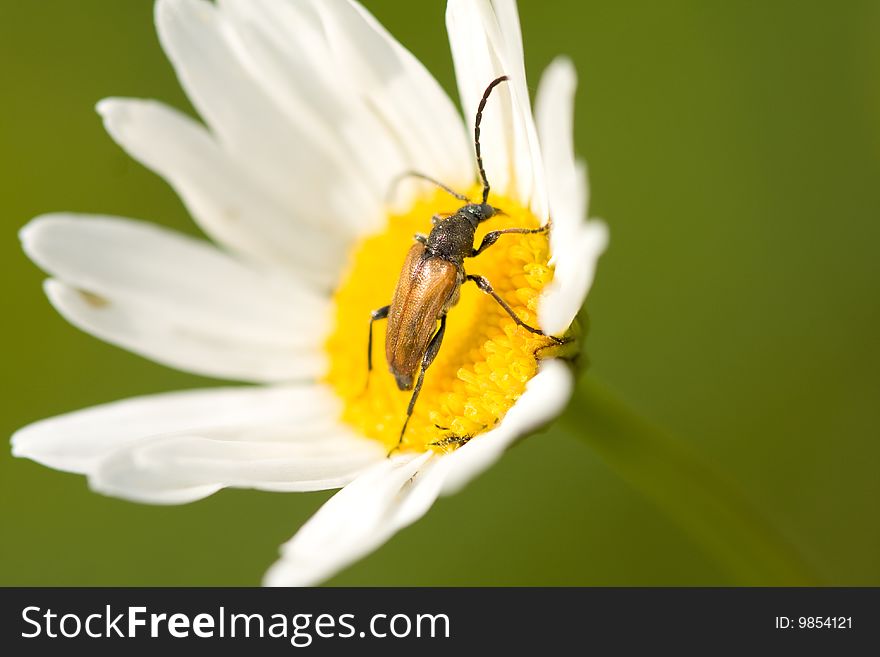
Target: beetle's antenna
[
  {"x": 421, "y": 176},
  {"x": 479, "y": 118}
]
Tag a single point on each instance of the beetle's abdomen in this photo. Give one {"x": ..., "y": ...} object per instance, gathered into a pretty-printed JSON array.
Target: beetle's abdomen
[{"x": 425, "y": 289}]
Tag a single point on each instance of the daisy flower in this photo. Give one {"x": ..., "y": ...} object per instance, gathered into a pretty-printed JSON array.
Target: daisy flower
[{"x": 311, "y": 111}]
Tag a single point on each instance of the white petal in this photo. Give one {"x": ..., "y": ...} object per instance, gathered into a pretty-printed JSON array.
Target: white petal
[
  {"x": 147, "y": 329},
  {"x": 575, "y": 269},
  {"x": 486, "y": 43},
  {"x": 119, "y": 475},
  {"x": 545, "y": 396},
  {"x": 177, "y": 300},
  {"x": 575, "y": 243},
  {"x": 566, "y": 182},
  {"x": 356, "y": 521},
  {"x": 76, "y": 442},
  {"x": 271, "y": 458},
  {"x": 399, "y": 89},
  {"x": 181, "y": 446},
  {"x": 221, "y": 193},
  {"x": 283, "y": 47},
  {"x": 331, "y": 65},
  {"x": 123, "y": 257},
  {"x": 397, "y": 492},
  {"x": 268, "y": 458},
  {"x": 309, "y": 175}
]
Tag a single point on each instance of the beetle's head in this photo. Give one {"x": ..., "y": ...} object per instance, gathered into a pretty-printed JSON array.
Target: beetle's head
[{"x": 479, "y": 212}]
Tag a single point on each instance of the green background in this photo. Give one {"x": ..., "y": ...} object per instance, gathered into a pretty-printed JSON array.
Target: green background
[{"x": 734, "y": 149}]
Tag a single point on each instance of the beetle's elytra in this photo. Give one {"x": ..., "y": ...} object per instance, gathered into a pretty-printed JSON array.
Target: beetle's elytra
[
  {"x": 426, "y": 289},
  {"x": 430, "y": 281}
]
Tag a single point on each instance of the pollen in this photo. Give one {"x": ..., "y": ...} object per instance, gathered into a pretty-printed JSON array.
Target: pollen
[{"x": 485, "y": 359}]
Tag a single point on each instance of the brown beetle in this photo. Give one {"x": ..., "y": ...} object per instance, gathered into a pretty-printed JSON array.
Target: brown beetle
[{"x": 430, "y": 282}]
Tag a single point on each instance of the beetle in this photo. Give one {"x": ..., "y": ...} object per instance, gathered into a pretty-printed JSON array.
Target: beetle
[{"x": 431, "y": 279}]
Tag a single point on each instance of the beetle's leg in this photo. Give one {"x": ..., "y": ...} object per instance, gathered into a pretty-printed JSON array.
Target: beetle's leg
[
  {"x": 422, "y": 176},
  {"x": 486, "y": 287},
  {"x": 491, "y": 237},
  {"x": 427, "y": 359},
  {"x": 379, "y": 313},
  {"x": 451, "y": 441},
  {"x": 421, "y": 239},
  {"x": 559, "y": 343}
]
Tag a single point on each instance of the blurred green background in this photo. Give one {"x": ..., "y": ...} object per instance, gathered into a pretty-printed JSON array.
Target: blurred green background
[{"x": 734, "y": 149}]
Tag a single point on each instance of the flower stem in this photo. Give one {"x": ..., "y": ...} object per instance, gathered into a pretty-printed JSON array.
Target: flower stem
[{"x": 708, "y": 507}]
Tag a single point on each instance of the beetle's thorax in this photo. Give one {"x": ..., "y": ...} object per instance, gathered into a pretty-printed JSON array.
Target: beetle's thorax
[{"x": 452, "y": 237}]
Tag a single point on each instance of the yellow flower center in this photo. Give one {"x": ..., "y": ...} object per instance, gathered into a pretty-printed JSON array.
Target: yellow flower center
[{"x": 485, "y": 359}]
